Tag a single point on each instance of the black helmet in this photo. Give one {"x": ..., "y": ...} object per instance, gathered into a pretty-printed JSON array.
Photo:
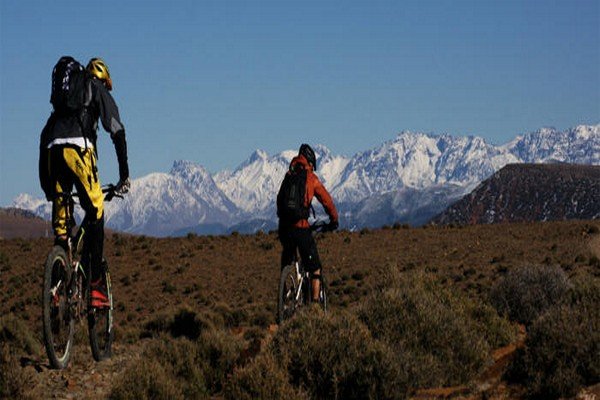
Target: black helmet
[{"x": 309, "y": 154}]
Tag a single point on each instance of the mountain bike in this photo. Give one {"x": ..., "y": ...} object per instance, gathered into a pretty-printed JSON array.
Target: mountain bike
[
  {"x": 295, "y": 284},
  {"x": 66, "y": 293}
]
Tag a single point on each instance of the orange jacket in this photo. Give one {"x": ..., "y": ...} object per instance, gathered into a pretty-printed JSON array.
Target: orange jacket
[{"x": 314, "y": 188}]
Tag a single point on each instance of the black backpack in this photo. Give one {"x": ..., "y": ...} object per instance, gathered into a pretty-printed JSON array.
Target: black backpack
[
  {"x": 69, "y": 82},
  {"x": 290, "y": 199}
]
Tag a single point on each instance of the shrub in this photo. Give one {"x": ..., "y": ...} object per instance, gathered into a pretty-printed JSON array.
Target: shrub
[
  {"x": 334, "y": 356},
  {"x": 196, "y": 354},
  {"x": 220, "y": 352},
  {"x": 13, "y": 379},
  {"x": 561, "y": 350},
  {"x": 184, "y": 322},
  {"x": 231, "y": 317},
  {"x": 445, "y": 337},
  {"x": 266, "y": 246},
  {"x": 159, "y": 324},
  {"x": 144, "y": 381},
  {"x": 168, "y": 287},
  {"x": 180, "y": 358},
  {"x": 4, "y": 260},
  {"x": 262, "y": 318},
  {"x": 16, "y": 332},
  {"x": 262, "y": 378},
  {"x": 524, "y": 293},
  {"x": 497, "y": 331}
]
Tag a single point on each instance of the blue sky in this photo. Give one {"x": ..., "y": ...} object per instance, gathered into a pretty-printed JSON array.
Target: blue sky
[{"x": 212, "y": 81}]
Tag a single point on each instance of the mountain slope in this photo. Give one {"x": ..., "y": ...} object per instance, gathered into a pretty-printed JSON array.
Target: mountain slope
[
  {"x": 530, "y": 192},
  {"x": 18, "y": 223},
  {"x": 160, "y": 203}
]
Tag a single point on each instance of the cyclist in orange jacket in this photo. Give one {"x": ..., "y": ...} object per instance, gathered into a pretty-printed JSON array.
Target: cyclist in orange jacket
[{"x": 295, "y": 233}]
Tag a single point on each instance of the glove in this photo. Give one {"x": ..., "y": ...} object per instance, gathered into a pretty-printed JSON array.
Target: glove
[
  {"x": 333, "y": 225},
  {"x": 123, "y": 186}
]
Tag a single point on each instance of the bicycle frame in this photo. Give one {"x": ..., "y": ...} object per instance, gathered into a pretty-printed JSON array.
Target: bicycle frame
[
  {"x": 78, "y": 284},
  {"x": 301, "y": 275}
]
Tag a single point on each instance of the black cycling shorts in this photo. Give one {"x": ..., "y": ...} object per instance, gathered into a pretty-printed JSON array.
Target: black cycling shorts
[{"x": 302, "y": 240}]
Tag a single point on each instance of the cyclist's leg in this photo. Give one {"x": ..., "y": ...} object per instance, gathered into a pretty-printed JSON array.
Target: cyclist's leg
[
  {"x": 62, "y": 181},
  {"x": 310, "y": 258},
  {"x": 288, "y": 245},
  {"x": 82, "y": 163}
]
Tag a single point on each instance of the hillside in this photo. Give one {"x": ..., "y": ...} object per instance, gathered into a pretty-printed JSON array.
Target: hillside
[
  {"x": 15, "y": 223},
  {"x": 530, "y": 192},
  {"x": 228, "y": 283}
]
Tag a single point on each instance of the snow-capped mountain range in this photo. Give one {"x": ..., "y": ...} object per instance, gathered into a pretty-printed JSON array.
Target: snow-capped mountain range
[{"x": 408, "y": 179}]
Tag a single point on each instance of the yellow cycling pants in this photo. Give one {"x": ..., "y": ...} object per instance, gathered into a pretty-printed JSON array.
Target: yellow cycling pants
[{"x": 70, "y": 166}]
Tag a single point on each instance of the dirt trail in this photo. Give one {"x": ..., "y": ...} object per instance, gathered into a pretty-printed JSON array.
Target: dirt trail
[
  {"x": 83, "y": 379},
  {"x": 488, "y": 385}
]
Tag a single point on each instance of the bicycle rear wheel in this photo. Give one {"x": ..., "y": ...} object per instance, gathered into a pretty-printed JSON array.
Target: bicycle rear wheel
[
  {"x": 323, "y": 294},
  {"x": 57, "y": 318},
  {"x": 288, "y": 289},
  {"x": 100, "y": 325}
]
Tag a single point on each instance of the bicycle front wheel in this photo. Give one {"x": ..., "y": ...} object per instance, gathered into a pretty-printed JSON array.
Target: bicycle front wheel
[
  {"x": 100, "y": 325},
  {"x": 289, "y": 297},
  {"x": 57, "y": 318}
]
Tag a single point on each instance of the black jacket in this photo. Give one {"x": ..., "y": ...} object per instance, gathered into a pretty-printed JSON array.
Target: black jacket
[{"x": 100, "y": 105}]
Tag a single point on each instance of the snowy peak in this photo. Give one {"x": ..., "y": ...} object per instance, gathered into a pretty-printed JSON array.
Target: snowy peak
[
  {"x": 191, "y": 172},
  {"x": 258, "y": 156},
  {"x": 252, "y": 184},
  {"x": 39, "y": 207},
  {"x": 419, "y": 161},
  {"x": 579, "y": 145}
]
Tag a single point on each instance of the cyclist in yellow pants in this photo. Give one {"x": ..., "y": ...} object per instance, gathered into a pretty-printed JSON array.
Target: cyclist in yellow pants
[{"x": 68, "y": 158}]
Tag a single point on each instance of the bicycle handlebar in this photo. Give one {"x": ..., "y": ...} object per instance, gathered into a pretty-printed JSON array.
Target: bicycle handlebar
[
  {"x": 321, "y": 226},
  {"x": 110, "y": 190}
]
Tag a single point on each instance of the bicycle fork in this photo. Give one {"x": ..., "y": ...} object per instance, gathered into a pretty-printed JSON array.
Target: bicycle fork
[{"x": 75, "y": 292}]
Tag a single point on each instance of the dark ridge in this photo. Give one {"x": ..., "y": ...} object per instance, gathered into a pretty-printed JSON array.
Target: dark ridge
[{"x": 530, "y": 192}]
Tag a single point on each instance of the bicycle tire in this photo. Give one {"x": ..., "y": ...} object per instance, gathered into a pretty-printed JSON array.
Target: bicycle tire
[
  {"x": 57, "y": 318},
  {"x": 100, "y": 324},
  {"x": 323, "y": 294},
  {"x": 288, "y": 285}
]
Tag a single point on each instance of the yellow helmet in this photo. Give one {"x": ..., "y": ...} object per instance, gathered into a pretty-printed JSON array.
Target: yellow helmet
[{"x": 99, "y": 69}]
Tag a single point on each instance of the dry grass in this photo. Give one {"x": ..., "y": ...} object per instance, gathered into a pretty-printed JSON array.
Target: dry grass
[
  {"x": 563, "y": 346},
  {"x": 228, "y": 285},
  {"x": 334, "y": 356},
  {"x": 440, "y": 335},
  {"x": 525, "y": 293}
]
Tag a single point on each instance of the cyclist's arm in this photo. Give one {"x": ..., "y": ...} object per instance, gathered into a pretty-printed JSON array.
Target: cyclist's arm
[
  {"x": 109, "y": 116},
  {"x": 325, "y": 198}
]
